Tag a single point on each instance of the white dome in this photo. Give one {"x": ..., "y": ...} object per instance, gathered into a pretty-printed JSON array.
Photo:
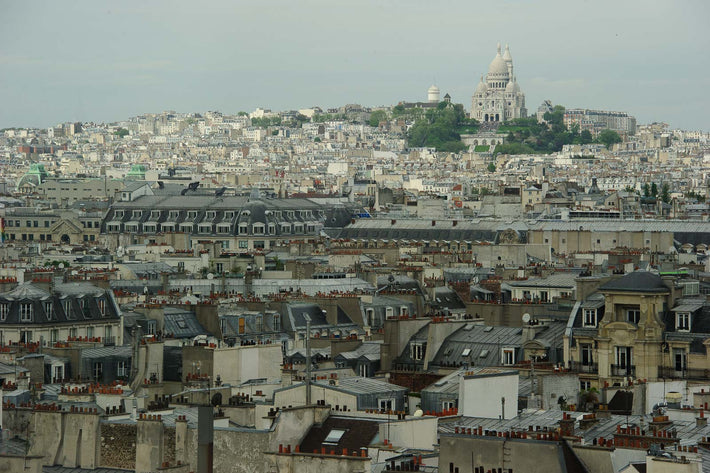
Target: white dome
[
  {"x": 510, "y": 88},
  {"x": 498, "y": 67},
  {"x": 433, "y": 90}
]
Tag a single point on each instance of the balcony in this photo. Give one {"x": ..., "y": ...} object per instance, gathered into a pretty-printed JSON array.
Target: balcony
[
  {"x": 579, "y": 367},
  {"x": 623, "y": 370},
  {"x": 670, "y": 372}
]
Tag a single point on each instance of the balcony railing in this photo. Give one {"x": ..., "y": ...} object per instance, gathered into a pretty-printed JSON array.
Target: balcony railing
[
  {"x": 579, "y": 367},
  {"x": 623, "y": 370},
  {"x": 687, "y": 373}
]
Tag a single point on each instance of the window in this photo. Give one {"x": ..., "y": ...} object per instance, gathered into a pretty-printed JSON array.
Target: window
[
  {"x": 25, "y": 336},
  {"x": 73, "y": 332},
  {"x": 102, "y": 306},
  {"x": 26, "y": 312},
  {"x": 243, "y": 244},
  {"x": 58, "y": 373},
  {"x": 682, "y": 321},
  {"x": 633, "y": 316},
  {"x": 680, "y": 360},
  {"x": 84, "y": 304},
  {"x": 243, "y": 228},
  {"x": 4, "y": 309},
  {"x": 508, "y": 356},
  {"x": 590, "y": 317},
  {"x": 54, "y": 335},
  {"x": 121, "y": 369},
  {"x": 417, "y": 351},
  {"x": 585, "y": 385},
  {"x": 386, "y": 404},
  {"x": 623, "y": 357},
  {"x": 363, "y": 370},
  {"x": 389, "y": 313},
  {"x": 242, "y": 325},
  {"x": 277, "y": 323},
  {"x": 108, "y": 333},
  {"x": 98, "y": 370},
  {"x": 334, "y": 436},
  {"x": 48, "y": 310},
  {"x": 151, "y": 327},
  {"x": 447, "y": 405},
  {"x": 67, "y": 307},
  {"x": 587, "y": 352}
]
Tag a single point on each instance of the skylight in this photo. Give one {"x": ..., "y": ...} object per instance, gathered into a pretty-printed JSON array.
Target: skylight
[
  {"x": 334, "y": 436},
  {"x": 466, "y": 352}
]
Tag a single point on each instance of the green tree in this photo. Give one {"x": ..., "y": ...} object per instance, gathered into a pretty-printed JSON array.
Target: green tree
[
  {"x": 376, "y": 117},
  {"x": 438, "y": 129},
  {"x": 121, "y": 132},
  {"x": 665, "y": 193},
  {"x": 646, "y": 190},
  {"x": 491, "y": 167},
  {"x": 585, "y": 137},
  {"x": 608, "y": 137},
  {"x": 654, "y": 190},
  {"x": 316, "y": 139}
]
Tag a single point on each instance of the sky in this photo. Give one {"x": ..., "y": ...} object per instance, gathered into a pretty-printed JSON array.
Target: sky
[{"x": 91, "y": 60}]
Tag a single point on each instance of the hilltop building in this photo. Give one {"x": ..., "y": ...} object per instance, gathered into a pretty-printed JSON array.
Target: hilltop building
[{"x": 499, "y": 97}]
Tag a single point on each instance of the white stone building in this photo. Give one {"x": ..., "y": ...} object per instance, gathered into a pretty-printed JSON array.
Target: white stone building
[{"x": 498, "y": 98}]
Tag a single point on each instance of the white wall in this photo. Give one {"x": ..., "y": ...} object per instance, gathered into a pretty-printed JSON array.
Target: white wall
[{"x": 480, "y": 396}]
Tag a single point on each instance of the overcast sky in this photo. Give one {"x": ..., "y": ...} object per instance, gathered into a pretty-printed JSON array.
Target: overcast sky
[{"x": 90, "y": 60}]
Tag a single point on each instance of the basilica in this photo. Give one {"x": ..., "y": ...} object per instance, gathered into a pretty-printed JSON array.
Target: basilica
[{"x": 498, "y": 98}]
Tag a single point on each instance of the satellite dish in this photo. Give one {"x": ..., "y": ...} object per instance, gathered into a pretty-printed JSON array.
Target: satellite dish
[
  {"x": 210, "y": 276},
  {"x": 418, "y": 413},
  {"x": 526, "y": 318},
  {"x": 61, "y": 265}
]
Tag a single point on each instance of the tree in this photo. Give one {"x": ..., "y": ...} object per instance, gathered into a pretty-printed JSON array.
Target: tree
[
  {"x": 121, "y": 132},
  {"x": 376, "y": 117},
  {"x": 608, "y": 137},
  {"x": 316, "y": 139},
  {"x": 646, "y": 190},
  {"x": 491, "y": 167},
  {"x": 654, "y": 190},
  {"x": 585, "y": 137},
  {"x": 665, "y": 193}
]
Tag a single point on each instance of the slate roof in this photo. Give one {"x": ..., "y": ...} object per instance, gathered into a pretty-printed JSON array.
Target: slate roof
[
  {"x": 688, "y": 432},
  {"x": 81, "y": 299},
  {"x": 358, "y": 385},
  {"x": 638, "y": 281},
  {"x": 182, "y": 323},
  {"x": 369, "y": 350},
  {"x": 358, "y": 433}
]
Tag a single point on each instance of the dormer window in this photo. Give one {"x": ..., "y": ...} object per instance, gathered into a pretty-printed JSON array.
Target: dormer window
[
  {"x": 155, "y": 214},
  {"x": 633, "y": 316},
  {"x": 590, "y": 317},
  {"x": 26, "y": 312},
  {"x": 682, "y": 321},
  {"x": 258, "y": 229},
  {"x": 507, "y": 356},
  {"x": 4, "y": 309},
  {"x": 119, "y": 213},
  {"x": 192, "y": 214},
  {"x": 243, "y": 228},
  {"x": 48, "y": 310},
  {"x": 211, "y": 214},
  {"x": 102, "y": 306},
  {"x": 137, "y": 213},
  {"x": 417, "y": 351}
]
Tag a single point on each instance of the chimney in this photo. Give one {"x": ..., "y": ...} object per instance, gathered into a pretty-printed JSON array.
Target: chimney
[
  {"x": 701, "y": 421},
  {"x": 567, "y": 425}
]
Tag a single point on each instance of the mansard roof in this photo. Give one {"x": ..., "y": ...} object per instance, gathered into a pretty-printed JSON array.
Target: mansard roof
[{"x": 638, "y": 281}]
